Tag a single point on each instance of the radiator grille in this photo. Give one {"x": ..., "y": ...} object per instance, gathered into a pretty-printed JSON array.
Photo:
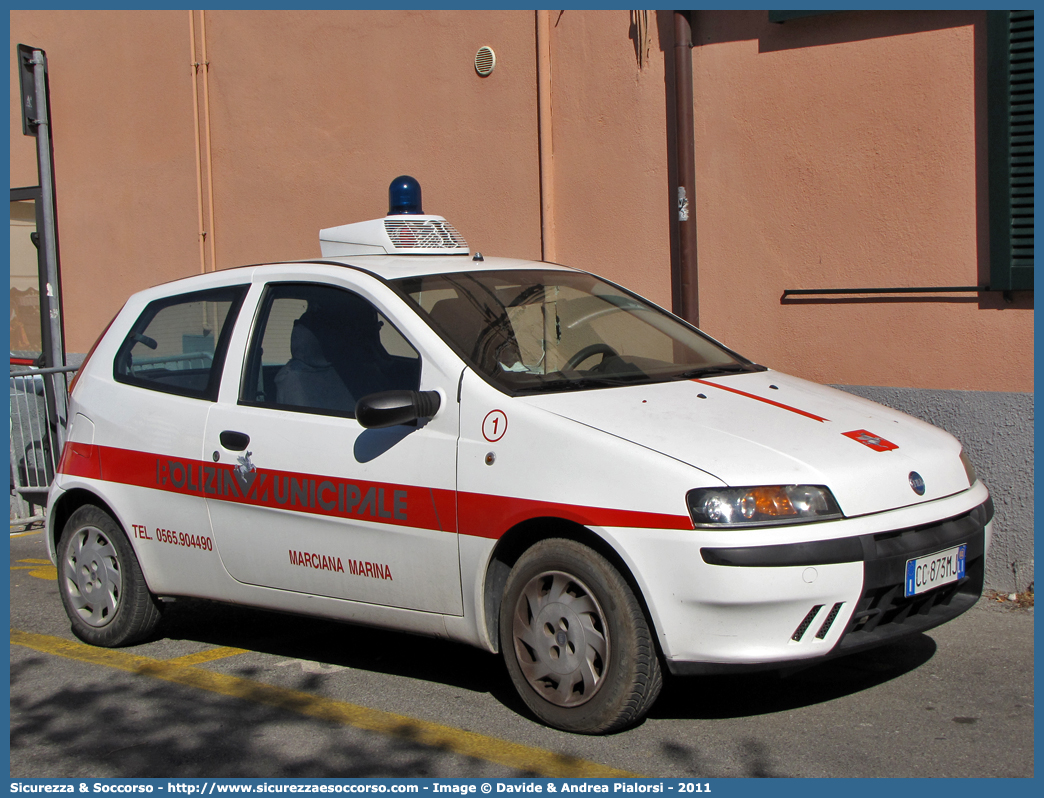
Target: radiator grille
[{"x": 884, "y": 611}]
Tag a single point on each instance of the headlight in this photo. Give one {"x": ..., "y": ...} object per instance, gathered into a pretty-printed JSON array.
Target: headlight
[
  {"x": 969, "y": 469},
  {"x": 761, "y": 506}
]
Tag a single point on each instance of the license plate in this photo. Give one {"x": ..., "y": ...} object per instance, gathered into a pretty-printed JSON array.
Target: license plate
[{"x": 932, "y": 570}]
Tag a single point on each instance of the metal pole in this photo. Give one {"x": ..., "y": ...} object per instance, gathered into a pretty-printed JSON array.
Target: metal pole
[
  {"x": 545, "y": 137},
  {"x": 689, "y": 282},
  {"x": 47, "y": 240},
  {"x": 56, "y": 355}
]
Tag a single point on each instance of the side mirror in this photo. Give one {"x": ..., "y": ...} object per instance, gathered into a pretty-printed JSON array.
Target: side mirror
[{"x": 389, "y": 408}]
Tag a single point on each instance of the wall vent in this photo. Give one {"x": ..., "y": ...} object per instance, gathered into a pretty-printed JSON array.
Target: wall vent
[{"x": 485, "y": 60}]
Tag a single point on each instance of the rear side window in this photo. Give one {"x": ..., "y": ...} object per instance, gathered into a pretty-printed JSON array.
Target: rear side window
[{"x": 178, "y": 344}]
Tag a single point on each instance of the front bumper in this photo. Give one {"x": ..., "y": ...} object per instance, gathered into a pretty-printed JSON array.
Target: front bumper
[
  {"x": 875, "y": 614},
  {"x": 883, "y": 612},
  {"x": 793, "y": 596}
]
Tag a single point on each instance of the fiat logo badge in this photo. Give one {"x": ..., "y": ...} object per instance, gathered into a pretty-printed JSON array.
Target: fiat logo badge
[{"x": 917, "y": 483}]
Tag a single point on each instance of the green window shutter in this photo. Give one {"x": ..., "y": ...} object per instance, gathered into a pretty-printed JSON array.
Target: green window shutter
[{"x": 1009, "y": 77}]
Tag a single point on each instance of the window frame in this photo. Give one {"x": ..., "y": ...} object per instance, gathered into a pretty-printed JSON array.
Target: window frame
[
  {"x": 235, "y": 294},
  {"x": 400, "y": 285},
  {"x": 252, "y": 363}
]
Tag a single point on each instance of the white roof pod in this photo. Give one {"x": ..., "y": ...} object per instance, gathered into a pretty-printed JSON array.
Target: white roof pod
[{"x": 404, "y": 231}]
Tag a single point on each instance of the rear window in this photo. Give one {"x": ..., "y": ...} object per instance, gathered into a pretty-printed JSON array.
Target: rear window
[{"x": 178, "y": 344}]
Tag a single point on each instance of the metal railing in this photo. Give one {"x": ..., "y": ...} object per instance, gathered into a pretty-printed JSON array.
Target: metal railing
[{"x": 38, "y": 423}]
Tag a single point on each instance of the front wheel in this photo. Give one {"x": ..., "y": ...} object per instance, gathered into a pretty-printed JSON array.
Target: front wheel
[
  {"x": 575, "y": 640},
  {"x": 100, "y": 580}
]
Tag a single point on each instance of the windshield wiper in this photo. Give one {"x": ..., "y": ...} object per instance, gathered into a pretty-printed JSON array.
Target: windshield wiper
[
  {"x": 724, "y": 368},
  {"x": 581, "y": 383}
]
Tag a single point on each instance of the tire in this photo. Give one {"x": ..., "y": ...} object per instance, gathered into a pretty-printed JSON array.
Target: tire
[
  {"x": 576, "y": 641},
  {"x": 100, "y": 580}
]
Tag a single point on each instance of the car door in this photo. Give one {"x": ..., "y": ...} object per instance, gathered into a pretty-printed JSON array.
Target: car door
[
  {"x": 141, "y": 414},
  {"x": 304, "y": 498}
]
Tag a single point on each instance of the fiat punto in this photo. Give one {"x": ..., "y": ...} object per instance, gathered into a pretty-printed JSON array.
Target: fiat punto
[{"x": 511, "y": 454}]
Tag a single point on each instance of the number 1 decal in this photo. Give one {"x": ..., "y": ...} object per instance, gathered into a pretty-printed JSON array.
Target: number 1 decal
[{"x": 494, "y": 425}]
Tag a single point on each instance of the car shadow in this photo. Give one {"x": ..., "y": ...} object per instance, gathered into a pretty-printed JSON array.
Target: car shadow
[
  {"x": 462, "y": 666},
  {"x": 342, "y": 644},
  {"x": 766, "y": 692},
  {"x": 372, "y": 443}
]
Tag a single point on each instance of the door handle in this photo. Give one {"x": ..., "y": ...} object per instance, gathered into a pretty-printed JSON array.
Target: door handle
[{"x": 234, "y": 441}]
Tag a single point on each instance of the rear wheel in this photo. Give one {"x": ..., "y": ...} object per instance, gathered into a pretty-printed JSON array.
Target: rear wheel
[
  {"x": 575, "y": 640},
  {"x": 101, "y": 583}
]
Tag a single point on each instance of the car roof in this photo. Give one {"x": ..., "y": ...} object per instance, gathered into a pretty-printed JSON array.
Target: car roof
[
  {"x": 384, "y": 267},
  {"x": 392, "y": 267}
]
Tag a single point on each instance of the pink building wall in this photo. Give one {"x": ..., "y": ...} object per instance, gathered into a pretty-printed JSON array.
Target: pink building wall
[
  {"x": 849, "y": 152},
  {"x": 842, "y": 151},
  {"x": 841, "y": 155}
]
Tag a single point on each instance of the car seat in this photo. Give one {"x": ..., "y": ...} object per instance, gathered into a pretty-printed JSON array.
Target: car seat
[{"x": 309, "y": 379}]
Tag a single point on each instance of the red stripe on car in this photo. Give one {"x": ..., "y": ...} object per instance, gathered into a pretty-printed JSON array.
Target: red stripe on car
[
  {"x": 437, "y": 509},
  {"x": 490, "y": 516},
  {"x": 804, "y": 413}
]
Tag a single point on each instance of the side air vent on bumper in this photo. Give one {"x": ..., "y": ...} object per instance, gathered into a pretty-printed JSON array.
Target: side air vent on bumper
[{"x": 807, "y": 622}]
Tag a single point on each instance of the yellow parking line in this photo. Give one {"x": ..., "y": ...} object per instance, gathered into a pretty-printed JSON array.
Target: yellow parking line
[
  {"x": 26, "y": 534},
  {"x": 445, "y": 738},
  {"x": 41, "y": 569},
  {"x": 209, "y": 655}
]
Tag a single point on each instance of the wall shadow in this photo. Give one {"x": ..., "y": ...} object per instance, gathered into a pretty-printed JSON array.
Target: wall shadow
[
  {"x": 837, "y": 27},
  {"x": 146, "y": 728},
  {"x": 986, "y": 300},
  {"x": 874, "y": 299}
]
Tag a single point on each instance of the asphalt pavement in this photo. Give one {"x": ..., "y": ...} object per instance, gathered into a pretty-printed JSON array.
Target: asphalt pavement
[{"x": 225, "y": 691}]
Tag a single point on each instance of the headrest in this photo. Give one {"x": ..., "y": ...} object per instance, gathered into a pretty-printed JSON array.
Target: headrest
[{"x": 305, "y": 347}]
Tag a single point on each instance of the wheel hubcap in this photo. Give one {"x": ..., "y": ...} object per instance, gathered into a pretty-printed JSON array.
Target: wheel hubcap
[
  {"x": 561, "y": 638},
  {"x": 92, "y": 576}
]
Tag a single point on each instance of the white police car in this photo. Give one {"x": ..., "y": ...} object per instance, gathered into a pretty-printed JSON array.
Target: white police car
[{"x": 515, "y": 455}]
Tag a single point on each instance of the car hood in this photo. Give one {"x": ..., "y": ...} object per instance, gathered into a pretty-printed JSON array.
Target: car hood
[{"x": 768, "y": 428}]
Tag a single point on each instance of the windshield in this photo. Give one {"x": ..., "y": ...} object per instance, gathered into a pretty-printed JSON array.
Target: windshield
[{"x": 530, "y": 331}]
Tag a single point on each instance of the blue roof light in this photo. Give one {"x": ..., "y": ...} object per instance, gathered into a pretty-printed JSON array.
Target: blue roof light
[{"x": 404, "y": 196}]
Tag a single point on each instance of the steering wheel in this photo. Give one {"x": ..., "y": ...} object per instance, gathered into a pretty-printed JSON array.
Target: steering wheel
[{"x": 590, "y": 351}]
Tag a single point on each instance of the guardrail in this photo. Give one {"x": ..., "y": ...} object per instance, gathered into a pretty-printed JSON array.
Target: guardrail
[{"x": 38, "y": 422}]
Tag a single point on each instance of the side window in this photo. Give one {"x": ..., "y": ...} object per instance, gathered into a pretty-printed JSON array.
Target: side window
[
  {"x": 320, "y": 349},
  {"x": 178, "y": 344}
]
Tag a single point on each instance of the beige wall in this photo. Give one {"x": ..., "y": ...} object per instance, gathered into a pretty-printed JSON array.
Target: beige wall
[
  {"x": 612, "y": 188},
  {"x": 843, "y": 151},
  {"x": 123, "y": 160},
  {"x": 848, "y": 152},
  {"x": 312, "y": 115}
]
